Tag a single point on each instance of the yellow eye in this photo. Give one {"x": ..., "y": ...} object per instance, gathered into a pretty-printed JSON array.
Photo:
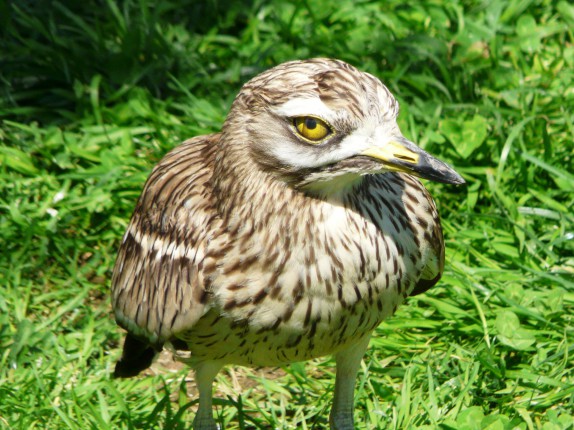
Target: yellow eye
[{"x": 312, "y": 128}]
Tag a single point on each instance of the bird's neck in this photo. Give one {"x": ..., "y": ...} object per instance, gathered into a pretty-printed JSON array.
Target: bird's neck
[
  {"x": 247, "y": 192},
  {"x": 334, "y": 188}
]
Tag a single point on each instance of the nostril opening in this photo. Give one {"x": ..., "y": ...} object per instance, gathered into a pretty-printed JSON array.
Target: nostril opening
[{"x": 406, "y": 158}]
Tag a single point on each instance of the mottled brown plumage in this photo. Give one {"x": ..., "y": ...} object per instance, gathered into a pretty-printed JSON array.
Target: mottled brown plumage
[{"x": 290, "y": 235}]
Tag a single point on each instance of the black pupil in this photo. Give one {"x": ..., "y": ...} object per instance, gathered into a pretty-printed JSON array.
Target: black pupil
[{"x": 310, "y": 123}]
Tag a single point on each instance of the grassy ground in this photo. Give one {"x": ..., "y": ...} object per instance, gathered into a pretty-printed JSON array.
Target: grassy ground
[{"x": 94, "y": 92}]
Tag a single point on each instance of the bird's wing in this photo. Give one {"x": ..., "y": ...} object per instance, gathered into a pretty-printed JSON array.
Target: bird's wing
[
  {"x": 157, "y": 284},
  {"x": 433, "y": 239}
]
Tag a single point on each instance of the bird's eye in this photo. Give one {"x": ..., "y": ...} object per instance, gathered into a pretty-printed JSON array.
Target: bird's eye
[{"x": 311, "y": 128}]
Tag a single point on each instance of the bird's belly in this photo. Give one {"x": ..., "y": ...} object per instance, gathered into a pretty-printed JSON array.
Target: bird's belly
[{"x": 314, "y": 327}]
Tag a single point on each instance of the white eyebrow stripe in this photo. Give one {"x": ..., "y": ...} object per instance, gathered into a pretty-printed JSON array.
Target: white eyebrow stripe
[{"x": 304, "y": 106}]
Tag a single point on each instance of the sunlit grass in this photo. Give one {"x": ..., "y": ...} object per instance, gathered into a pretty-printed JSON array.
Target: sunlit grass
[{"x": 92, "y": 97}]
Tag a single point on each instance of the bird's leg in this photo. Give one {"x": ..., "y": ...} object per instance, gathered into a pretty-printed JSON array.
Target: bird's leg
[
  {"x": 205, "y": 373},
  {"x": 348, "y": 362}
]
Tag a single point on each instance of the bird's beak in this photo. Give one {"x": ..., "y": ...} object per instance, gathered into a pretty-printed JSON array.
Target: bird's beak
[{"x": 402, "y": 155}]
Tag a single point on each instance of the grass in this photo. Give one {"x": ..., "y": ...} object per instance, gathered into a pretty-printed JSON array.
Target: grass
[{"x": 94, "y": 93}]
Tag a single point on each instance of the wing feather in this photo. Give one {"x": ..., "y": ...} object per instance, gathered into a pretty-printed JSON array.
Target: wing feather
[
  {"x": 157, "y": 287},
  {"x": 432, "y": 238}
]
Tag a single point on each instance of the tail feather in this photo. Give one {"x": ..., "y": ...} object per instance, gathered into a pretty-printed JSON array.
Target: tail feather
[{"x": 136, "y": 357}]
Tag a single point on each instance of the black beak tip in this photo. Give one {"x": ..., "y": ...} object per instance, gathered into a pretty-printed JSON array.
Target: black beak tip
[
  {"x": 458, "y": 180},
  {"x": 450, "y": 180},
  {"x": 439, "y": 171}
]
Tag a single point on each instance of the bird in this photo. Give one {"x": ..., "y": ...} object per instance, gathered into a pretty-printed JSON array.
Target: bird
[{"x": 289, "y": 235}]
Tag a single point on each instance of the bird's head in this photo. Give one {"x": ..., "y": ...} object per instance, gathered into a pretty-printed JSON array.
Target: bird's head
[{"x": 321, "y": 124}]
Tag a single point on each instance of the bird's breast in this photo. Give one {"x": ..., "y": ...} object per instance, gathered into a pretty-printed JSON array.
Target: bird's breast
[{"x": 305, "y": 288}]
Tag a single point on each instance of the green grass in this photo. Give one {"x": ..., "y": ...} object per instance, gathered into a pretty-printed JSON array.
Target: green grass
[{"x": 94, "y": 93}]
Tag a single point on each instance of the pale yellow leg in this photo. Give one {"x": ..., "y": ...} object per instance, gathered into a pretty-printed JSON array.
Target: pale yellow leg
[
  {"x": 348, "y": 364},
  {"x": 205, "y": 373}
]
